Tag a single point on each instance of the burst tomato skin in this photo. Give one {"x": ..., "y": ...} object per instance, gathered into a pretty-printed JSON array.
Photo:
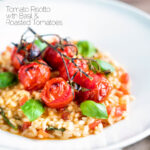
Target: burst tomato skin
[
  {"x": 34, "y": 75},
  {"x": 54, "y": 59},
  {"x": 16, "y": 59},
  {"x": 57, "y": 93},
  {"x": 98, "y": 91}
]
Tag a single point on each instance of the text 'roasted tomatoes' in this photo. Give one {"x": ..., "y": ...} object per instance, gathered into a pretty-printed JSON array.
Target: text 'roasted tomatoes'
[
  {"x": 57, "y": 93},
  {"x": 34, "y": 75},
  {"x": 54, "y": 59}
]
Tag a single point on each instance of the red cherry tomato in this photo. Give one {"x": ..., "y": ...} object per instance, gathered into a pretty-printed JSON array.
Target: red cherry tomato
[
  {"x": 98, "y": 85},
  {"x": 16, "y": 59},
  {"x": 34, "y": 76},
  {"x": 72, "y": 69},
  {"x": 90, "y": 83},
  {"x": 99, "y": 89},
  {"x": 54, "y": 59},
  {"x": 57, "y": 93}
]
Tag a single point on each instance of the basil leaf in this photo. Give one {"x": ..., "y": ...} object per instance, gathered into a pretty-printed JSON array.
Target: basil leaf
[
  {"x": 86, "y": 49},
  {"x": 7, "y": 79},
  {"x": 102, "y": 66},
  {"x": 50, "y": 128},
  {"x": 92, "y": 109},
  {"x": 32, "y": 109},
  {"x": 40, "y": 45},
  {"x": 6, "y": 119}
]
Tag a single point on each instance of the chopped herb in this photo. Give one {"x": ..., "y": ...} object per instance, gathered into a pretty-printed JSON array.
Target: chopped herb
[
  {"x": 33, "y": 109},
  {"x": 7, "y": 79},
  {"x": 50, "y": 128},
  {"x": 92, "y": 109},
  {"x": 6, "y": 119}
]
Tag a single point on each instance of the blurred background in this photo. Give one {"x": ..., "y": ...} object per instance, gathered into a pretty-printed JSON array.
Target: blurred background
[
  {"x": 145, "y": 6},
  {"x": 141, "y": 4}
]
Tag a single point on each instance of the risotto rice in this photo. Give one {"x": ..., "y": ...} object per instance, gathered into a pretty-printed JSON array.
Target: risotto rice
[{"x": 70, "y": 119}]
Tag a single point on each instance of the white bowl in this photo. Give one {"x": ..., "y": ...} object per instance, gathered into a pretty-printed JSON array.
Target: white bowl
[{"x": 114, "y": 27}]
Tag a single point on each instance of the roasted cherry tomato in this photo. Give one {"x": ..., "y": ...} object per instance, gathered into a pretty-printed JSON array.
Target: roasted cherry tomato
[
  {"x": 72, "y": 69},
  {"x": 98, "y": 85},
  {"x": 90, "y": 83},
  {"x": 57, "y": 93},
  {"x": 54, "y": 59},
  {"x": 16, "y": 59},
  {"x": 34, "y": 76},
  {"x": 99, "y": 89}
]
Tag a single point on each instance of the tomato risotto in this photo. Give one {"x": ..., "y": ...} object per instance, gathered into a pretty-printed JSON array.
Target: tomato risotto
[{"x": 60, "y": 89}]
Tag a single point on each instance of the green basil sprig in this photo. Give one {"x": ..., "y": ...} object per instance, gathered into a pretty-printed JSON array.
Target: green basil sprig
[
  {"x": 50, "y": 128},
  {"x": 41, "y": 45},
  {"x": 92, "y": 109},
  {"x": 6, "y": 119},
  {"x": 7, "y": 79},
  {"x": 86, "y": 49},
  {"x": 33, "y": 109},
  {"x": 101, "y": 66}
]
